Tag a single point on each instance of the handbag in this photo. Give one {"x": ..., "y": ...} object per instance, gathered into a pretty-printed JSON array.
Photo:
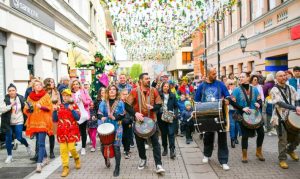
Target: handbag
[
  {"x": 167, "y": 116},
  {"x": 84, "y": 116}
]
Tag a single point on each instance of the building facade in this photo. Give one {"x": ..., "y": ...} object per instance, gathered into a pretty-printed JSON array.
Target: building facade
[
  {"x": 182, "y": 62},
  {"x": 198, "y": 52},
  {"x": 36, "y": 36},
  {"x": 269, "y": 26}
]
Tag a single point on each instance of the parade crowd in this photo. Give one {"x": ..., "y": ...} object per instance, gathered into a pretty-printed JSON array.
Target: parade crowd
[{"x": 69, "y": 115}]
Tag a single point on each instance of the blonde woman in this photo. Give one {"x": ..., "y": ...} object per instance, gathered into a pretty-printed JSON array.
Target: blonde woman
[
  {"x": 83, "y": 101},
  {"x": 39, "y": 123}
]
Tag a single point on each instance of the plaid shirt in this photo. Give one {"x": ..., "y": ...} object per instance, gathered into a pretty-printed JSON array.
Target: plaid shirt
[{"x": 277, "y": 97}]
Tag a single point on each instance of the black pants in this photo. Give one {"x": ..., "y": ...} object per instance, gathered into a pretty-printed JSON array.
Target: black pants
[
  {"x": 117, "y": 151},
  {"x": 222, "y": 146},
  {"x": 82, "y": 128},
  {"x": 140, "y": 142},
  {"x": 127, "y": 136},
  {"x": 167, "y": 132},
  {"x": 189, "y": 128},
  {"x": 259, "y": 139}
]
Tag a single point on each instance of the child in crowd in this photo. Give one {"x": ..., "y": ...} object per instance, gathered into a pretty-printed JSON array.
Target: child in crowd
[
  {"x": 181, "y": 108},
  {"x": 188, "y": 123},
  {"x": 66, "y": 115},
  {"x": 269, "y": 110},
  {"x": 92, "y": 125}
]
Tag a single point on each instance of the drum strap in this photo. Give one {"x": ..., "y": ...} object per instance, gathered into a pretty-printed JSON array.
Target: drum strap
[
  {"x": 284, "y": 96},
  {"x": 140, "y": 101},
  {"x": 281, "y": 122},
  {"x": 246, "y": 96}
]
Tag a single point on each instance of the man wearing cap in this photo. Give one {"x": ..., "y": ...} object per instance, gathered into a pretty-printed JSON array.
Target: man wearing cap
[
  {"x": 64, "y": 83},
  {"x": 295, "y": 82}
]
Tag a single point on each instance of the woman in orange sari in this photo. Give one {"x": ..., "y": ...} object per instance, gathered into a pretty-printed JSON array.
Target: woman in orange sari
[{"x": 39, "y": 123}]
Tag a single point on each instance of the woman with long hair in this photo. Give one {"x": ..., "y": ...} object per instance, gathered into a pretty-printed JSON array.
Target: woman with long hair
[
  {"x": 83, "y": 101},
  {"x": 167, "y": 129},
  {"x": 39, "y": 123},
  {"x": 50, "y": 88},
  {"x": 247, "y": 97},
  {"x": 112, "y": 110}
]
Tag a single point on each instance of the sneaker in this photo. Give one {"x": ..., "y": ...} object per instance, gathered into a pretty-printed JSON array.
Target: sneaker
[
  {"x": 45, "y": 162},
  {"x": 187, "y": 141},
  {"x": 29, "y": 151},
  {"x": 274, "y": 132},
  {"x": 15, "y": 146},
  {"x": 83, "y": 151},
  {"x": 132, "y": 146},
  {"x": 225, "y": 167},
  {"x": 9, "y": 159},
  {"x": 38, "y": 168},
  {"x": 146, "y": 146},
  {"x": 142, "y": 164},
  {"x": 127, "y": 155},
  {"x": 269, "y": 134},
  {"x": 160, "y": 169},
  {"x": 205, "y": 159},
  {"x": 93, "y": 149}
]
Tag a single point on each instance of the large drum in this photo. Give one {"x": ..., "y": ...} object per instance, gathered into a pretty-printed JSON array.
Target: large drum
[
  {"x": 211, "y": 116},
  {"x": 145, "y": 129},
  {"x": 293, "y": 123},
  {"x": 252, "y": 120},
  {"x": 106, "y": 133}
]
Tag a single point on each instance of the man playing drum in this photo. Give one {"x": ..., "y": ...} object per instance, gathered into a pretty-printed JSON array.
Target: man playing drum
[
  {"x": 144, "y": 101},
  {"x": 209, "y": 91},
  {"x": 285, "y": 99}
]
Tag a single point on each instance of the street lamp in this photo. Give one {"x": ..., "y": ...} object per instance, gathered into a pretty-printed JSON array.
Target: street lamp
[{"x": 243, "y": 45}]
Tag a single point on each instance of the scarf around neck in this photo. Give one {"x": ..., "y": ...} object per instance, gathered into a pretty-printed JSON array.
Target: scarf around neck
[{"x": 37, "y": 96}]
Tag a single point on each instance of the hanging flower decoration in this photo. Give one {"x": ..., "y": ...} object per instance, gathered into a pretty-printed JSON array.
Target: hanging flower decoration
[{"x": 155, "y": 29}]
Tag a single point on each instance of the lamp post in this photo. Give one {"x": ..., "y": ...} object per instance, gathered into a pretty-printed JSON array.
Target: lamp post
[{"x": 243, "y": 45}]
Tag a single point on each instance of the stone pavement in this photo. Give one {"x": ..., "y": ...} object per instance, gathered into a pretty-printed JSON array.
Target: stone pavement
[
  {"x": 254, "y": 168},
  {"x": 185, "y": 165},
  {"x": 21, "y": 165}
]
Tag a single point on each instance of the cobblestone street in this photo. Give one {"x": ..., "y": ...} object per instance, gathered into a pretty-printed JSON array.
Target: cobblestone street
[{"x": 254, "y": 168}]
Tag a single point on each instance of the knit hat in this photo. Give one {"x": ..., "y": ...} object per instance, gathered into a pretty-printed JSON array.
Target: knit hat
[
  {"x": 11, "y": 86},
  {"x": 187, "y": 103},
  {"x": 67, "y": 91},
  {"x": 296, "y": 68}
]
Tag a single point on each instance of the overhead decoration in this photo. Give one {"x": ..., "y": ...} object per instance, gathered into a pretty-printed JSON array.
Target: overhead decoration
[{"x": 155, "y": 29}]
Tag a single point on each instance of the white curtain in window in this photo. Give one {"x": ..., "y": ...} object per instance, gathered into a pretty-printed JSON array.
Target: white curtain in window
[{"x": 272, "y": 4}]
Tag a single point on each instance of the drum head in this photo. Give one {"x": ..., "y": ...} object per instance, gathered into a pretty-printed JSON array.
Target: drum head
[
  {"x": 294, "y": 120},
  {"x": 253, "y": 118},
  {"x": 145, "y": 127},
  {"x": 105, "y": 129}
]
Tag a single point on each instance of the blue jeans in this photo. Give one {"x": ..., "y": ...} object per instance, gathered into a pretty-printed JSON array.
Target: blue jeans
[
  {"x": 234, "y": 126},
  {"x": 41, "y": 137},
  {"x": 17, "y": 129}
]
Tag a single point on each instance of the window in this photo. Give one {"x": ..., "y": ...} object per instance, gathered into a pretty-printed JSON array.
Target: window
[
  {"x": 30, "y": 58},
  {"x": 55, "y": 65},
  {"x": 251, "y": 10},
  {"x": 187, "y": 57},
  {"x": 271, "y": 4}
]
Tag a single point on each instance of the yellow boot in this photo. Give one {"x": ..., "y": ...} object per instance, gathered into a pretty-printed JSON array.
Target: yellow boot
[
  {"x": 77, "y": 163},
  {"x": 259, "y": 154},
  {"x": 283, "y": 164},
  {"x": 293, "y": 155},
  {"x": 244, "y": 156},
  {"x": 65, "y": 172}
]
